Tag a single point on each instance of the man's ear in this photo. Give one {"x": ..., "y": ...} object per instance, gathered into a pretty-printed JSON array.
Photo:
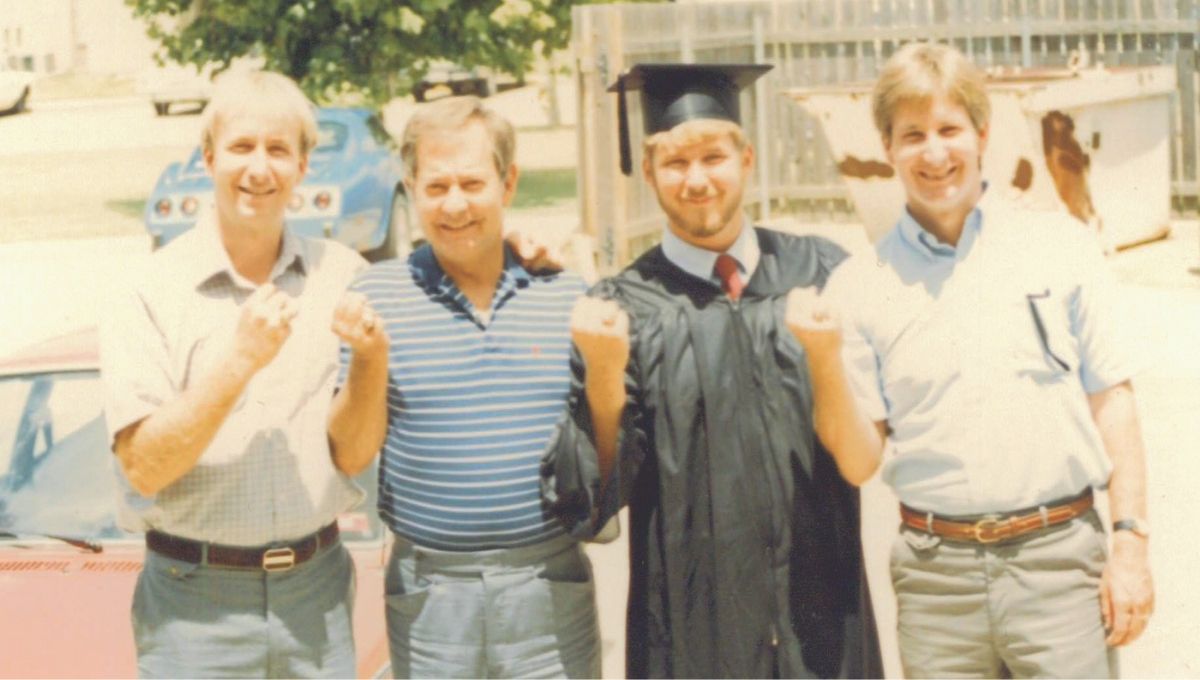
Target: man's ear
[
  {"x": 510, "y": 183},
  {"x": 748, "y": 157},
  {"x": 647, "y": 169},
  {"x": 209, "y": 156}
]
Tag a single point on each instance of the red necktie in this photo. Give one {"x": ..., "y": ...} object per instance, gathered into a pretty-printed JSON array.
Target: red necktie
[{"x": 731, "y": 279}]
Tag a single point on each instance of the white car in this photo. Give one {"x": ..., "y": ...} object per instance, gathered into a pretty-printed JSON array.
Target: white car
[
  {"x": 14, "y": 91},
  {"x": 175, "y": 85}
]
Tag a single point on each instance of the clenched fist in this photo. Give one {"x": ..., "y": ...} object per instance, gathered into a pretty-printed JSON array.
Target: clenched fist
[
  {"x": 263, "y": 326},
  {"x": 600, "y": 329},
  {"x": 811, "y": 318},
  {"x": 359, "y": 326}
]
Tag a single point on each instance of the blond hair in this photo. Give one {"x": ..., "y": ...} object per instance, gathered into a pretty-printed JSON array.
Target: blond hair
[
  {"x": 691, "y": 132},
  {"x": 236, "y": 92},
  {"x": 453, "y": 113},
  {"x": 920, "y": 71}
]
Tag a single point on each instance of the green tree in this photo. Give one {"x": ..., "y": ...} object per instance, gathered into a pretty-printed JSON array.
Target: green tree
[{"x": 376, "y": 48}]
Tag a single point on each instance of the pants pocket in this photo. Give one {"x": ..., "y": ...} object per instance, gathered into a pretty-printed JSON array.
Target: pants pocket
[
  {"x": 909, "y": 547},
  {"x": 406, "y": 588}
]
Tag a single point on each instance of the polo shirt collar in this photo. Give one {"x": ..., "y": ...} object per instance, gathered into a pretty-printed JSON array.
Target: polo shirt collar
[{"x": 430, "y": 276}]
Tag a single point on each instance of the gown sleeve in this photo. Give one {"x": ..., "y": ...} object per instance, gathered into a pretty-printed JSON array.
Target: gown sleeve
[{"x": 570, "y": 475}]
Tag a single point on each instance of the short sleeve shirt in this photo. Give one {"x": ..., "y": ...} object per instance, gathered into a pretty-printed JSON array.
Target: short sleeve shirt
[
  {"x": 267, "y": 475},
  {"x": 983, "y": 356}
]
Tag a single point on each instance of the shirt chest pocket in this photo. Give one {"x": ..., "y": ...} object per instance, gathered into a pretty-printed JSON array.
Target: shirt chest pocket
[{"x": 1043, "y": 346}]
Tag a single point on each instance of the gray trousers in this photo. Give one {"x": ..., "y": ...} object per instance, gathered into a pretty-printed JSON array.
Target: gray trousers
[
  {"x": 197, "y": 621},
  {"x": 1025, "y": 608},
  {"x": 517, "y": 613}
]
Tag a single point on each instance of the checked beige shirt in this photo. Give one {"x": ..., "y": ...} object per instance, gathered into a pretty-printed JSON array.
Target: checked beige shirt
[{"x": 267, "y": 475}]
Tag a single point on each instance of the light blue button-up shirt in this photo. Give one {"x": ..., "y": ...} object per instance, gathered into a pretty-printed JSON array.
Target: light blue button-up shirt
[
  {"x": 981, "y": 356},
  {"x": 700, "y": 262}
]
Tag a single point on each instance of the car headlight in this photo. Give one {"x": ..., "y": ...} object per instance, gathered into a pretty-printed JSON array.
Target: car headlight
[
  {"x": 322, "y": 200},
  {"x": 296, "y": 202},
  {"x": 163, "y": 208},
  {"x": 189, "y": 206}
]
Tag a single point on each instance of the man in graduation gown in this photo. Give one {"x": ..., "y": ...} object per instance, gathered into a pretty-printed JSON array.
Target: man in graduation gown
[{"x": 709, "y": 397}]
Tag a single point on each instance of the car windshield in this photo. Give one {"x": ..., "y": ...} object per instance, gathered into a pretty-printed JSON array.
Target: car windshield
[
  {"x": 56, "y": 477},
  {"x": 56, "y": 470},
  {"x": 330, "y": 137}
]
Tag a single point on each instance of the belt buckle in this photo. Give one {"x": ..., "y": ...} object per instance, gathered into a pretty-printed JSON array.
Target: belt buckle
[
  {"x": 278, "y": 559},
  {"x": 986, "y": 525}
]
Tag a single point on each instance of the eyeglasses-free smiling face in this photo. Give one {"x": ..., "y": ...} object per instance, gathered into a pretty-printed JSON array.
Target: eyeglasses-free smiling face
[
  {"x": 460, "y": 196},
  {"x": 256, "y": 161},
  {"x": 937, "y": 153},
  {"x": 699, "y": 182}
]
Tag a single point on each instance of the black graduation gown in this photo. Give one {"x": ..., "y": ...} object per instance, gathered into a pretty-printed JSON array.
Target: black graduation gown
[{"x": 745, "y": 552}]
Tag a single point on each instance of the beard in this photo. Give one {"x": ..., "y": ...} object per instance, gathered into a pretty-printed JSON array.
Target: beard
[{"x": 704, "y": 222}]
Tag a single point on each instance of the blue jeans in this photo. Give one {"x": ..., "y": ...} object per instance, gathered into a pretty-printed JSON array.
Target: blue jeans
[
  {"x": 517, "y": 613},
  {"x": 198, "y": 621}
]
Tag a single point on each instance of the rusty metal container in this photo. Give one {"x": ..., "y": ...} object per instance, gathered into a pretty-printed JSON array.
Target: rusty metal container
[{"x": 1092, "y": 141}]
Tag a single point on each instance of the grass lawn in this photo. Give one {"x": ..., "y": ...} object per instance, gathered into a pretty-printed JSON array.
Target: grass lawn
[
  {"x": 544, "y": 188},
  {"x": 128, "y": 207}
]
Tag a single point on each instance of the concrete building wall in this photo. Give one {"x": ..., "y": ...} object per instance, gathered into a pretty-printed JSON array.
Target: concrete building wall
[
  {"x": 92, "y": 36},
  {"x": 33, "y": 36}
]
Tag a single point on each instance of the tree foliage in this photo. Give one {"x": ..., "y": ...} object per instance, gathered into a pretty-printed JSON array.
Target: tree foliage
[{"x": 374, "y": 47}]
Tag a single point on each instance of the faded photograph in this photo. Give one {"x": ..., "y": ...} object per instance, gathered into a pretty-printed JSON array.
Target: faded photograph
[{"x": 766, "y": 338}]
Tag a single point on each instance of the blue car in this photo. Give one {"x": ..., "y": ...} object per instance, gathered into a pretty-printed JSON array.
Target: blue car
[{"x": 353, "y": 192}]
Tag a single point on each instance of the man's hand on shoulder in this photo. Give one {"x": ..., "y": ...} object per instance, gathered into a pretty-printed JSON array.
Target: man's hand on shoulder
[
  {"x": 534, "y": 252},
  {"x": 358, "y": 325}
]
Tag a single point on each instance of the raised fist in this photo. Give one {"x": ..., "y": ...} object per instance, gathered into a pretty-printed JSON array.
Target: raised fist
[
  {"x": 811, "y": 318},
  {"x": 264, "y": 325},
  {"x": 600, "y": 330},
  {"x": 359, "y": 326}
]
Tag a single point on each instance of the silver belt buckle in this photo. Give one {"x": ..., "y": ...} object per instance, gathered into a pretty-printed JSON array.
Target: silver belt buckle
[{"x": 278, "y": 559}]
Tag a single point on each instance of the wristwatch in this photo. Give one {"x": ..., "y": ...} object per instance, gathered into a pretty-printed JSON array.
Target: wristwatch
[{"x": 1137, "y": 525}]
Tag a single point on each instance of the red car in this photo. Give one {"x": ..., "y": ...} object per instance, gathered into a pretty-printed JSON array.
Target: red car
[{"x": 67, "y": 571}]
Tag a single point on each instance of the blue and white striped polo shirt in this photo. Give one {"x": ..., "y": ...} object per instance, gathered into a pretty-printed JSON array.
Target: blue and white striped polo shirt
[{"x": 471, "y": 405}]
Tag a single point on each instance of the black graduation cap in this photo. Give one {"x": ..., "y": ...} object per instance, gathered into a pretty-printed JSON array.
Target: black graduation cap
[{"x": 675, "y": 93}]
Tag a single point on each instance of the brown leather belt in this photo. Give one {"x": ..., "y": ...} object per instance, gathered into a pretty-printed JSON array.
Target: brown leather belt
[
  {"x": 273, "y": 558},
  {"x": 994, "y": 528}
]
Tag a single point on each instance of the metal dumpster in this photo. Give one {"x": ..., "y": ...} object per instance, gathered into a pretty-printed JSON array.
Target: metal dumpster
[{"x": 1091, "y": 141}]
